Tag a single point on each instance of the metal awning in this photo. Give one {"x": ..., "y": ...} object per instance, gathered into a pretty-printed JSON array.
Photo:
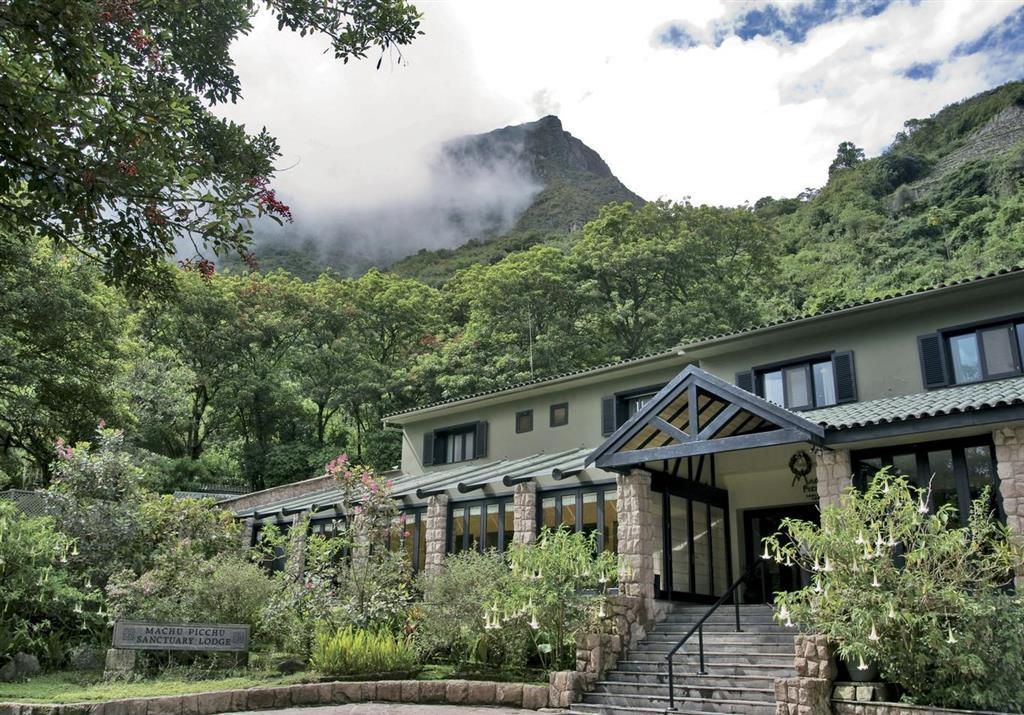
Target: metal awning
[
  {"x": 698, "y": 414},
  {"x": 466, "y": 479}
]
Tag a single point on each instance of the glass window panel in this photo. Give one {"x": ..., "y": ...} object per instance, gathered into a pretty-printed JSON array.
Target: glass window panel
[
  {"x": 981, "y": 472},
  {"x": 1020, "y": 341},
  {"x": 509, "y": 526},
  {"x": 559, "y": 415},
  {"x": 998, "y": 346},
  {"x": 824, "y": 384},
  {"x": 679, "y": 523},
  {"x": 458, "y": 530},
  {"x": 966, "y": 358},
  {"x": 658, "y": 538},
  {"x": 408, "y": 538},
  {"x": 474, "y": 527},
  {"x": 635, "y": 404},
  {"x": 943, "y": 479},
  {"x": 524, "y": 421},
  {"x": 589, "y": 512},
  {"x": 718, "y": 547},
  {"x": 701, "y": 554},
  {"x": 468, "y": 444},
  {"x": 865, "y": 471},
  {"x": 905, "y": 465},
  {"x": 773, "y": 391},
  {"x": 798, "y": 391},
  {"x": 569, "y": 511},
  {"x": 493, "y": 527},
  {"x": 450, "y": 448},
  {"x": 548, "y": 513},
  {"x": 611, "y": 524}
]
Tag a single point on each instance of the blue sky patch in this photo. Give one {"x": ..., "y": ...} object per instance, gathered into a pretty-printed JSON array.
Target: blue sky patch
[
  {"x": 793, "y": 22},
  {"x": 676, "y": 36},
  {"x": 921, "y": 70},
  {"x": 1006, "y": 37}
]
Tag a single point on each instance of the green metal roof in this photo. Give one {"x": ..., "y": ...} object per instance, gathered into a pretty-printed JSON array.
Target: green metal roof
[{"x": 945, "y": 401}]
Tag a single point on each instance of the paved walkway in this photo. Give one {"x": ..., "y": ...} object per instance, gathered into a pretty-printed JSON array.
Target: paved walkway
[{"x": 398, "y": 709}]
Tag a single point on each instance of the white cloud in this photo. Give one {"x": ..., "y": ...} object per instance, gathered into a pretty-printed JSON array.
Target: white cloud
[{"x": 722, "y": 124}]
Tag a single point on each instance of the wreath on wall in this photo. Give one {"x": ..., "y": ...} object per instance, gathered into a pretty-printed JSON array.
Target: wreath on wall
[{"x": 800, "y": 464}]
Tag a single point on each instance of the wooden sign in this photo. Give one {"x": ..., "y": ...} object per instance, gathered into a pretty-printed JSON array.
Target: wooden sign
[{"x": 143, "y": 635}]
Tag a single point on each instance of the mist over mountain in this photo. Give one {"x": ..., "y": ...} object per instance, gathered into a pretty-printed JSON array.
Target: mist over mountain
[{"x": 533, "y": 176}]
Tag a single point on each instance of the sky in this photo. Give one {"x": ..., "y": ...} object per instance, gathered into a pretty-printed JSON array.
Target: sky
[{"x": 718, "y": 102}]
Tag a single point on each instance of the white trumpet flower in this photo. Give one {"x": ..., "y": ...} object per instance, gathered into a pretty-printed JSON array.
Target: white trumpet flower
[
  {"x": 534, "y": 624},
  {"x": 874, "y": 581},
  {"x": 766, "y": 555},
  {"x": 951, "y": 640},
  {"x": 860, "y": 539},
  {"x": 862, "y": 665},
  {"x": 873, "y": 635},
  {"x": 922, "y": 506}
]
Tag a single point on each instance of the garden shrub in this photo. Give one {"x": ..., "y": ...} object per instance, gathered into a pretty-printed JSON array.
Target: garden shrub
[
  {"x": 40, "y": 611},
  {"x": 900, "y": 585},
  {"x": 357, "y": 651}
]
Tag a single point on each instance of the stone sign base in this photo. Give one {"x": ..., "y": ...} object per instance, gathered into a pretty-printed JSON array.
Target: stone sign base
[{"x": 120, "y": 664}]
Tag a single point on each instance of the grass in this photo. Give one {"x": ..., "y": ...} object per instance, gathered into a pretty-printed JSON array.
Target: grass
[{"x": 76, "y": 687}]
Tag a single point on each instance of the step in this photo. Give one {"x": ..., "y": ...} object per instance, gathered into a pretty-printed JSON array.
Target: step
[
  {"x": 593, "y": 709},
  {"x": 660, "y": 703},
  {"x": 690, "y": 678},
  {"x": 733, "y": 664},
  {"x": 725, "y": 626},
  {"x": 707, "y": 692},
  {"x": 725, "y": 637},
  {"x": 744, "y": 650}
]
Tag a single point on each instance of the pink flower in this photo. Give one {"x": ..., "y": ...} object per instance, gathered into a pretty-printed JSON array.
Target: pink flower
[
  {"x": 391, "y": 483},
  {"x": 103, "y": 423},
  {"x": 407, "y": 534},
  {"x": 343, "y": 458}
]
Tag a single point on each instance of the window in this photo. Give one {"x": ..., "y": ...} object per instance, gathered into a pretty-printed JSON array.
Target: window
[
  {"x": 455, "y": 444},
  {"x": 410, "y": 535},
  {"x": 972, "y": 353},
  {"x": 586, "y": 509},
  {"x": 957, "y": 470},
  {"x": 636, "y": 403},
  {"x": 617, "y": 409},
  {"x": 524, "y": 421},
  {"x": 560, "y": 414},
  {"x": 481, "y": 525},
  {"x": 801, "y": 386}
]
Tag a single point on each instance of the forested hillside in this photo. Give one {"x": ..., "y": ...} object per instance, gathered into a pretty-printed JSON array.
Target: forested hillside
[{"x": 258, "y": 377}]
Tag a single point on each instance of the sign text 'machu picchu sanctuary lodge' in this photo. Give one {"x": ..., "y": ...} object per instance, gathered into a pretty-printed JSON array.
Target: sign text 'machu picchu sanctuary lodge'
[{"x": 138, "y": 635}]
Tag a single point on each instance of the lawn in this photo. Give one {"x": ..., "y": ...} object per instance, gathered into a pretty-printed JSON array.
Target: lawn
[{"x": 70, "y": 687}]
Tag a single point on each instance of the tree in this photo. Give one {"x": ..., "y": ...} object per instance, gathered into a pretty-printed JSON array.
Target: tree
[
  {"x": 848, "y": 155},
  {"x": 110, "y": 146}
]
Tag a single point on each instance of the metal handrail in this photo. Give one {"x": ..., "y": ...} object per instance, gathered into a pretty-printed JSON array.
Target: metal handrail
[{"x": 698, "y": 627}]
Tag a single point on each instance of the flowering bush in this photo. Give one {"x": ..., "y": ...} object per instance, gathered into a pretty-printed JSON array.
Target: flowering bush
[
  {"x": 40, "y": 612},
  {"x": 899, "y": 585}
]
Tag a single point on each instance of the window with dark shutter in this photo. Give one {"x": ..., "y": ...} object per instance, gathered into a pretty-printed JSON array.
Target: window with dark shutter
[
  {"x": 608, "y": 415},
  {"x": 745, "y": 380},
  {"x": 933, "y": 360},
  {"x": 845, "y": 377},
  {"x": 481, "y": 440},
  {"x": 428, "y": 449}
]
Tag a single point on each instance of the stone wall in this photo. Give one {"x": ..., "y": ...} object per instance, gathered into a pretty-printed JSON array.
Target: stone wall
[
  {"x": 455, "y": 692},
  {"x": 437, "y": 532},
  {"x": 850, "y": 707},
  {"x": 835, "y": 474},
  {"x": 1009, "y": 444},
  {"x": 815, "y": 658},
  {"x": 802, "y": 696},
  {"x": 635, "y": 534},
  {"x": 525, "y": 520},
  {"x": 248, "y": 527}
]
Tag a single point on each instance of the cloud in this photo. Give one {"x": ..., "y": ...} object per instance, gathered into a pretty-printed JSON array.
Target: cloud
[{"x": 722, "y": 102}]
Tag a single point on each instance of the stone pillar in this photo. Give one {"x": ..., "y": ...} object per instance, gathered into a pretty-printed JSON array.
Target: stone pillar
[
  {"x": 636, "y": 533},
  {"x": 437, "y": 533},
  {"x": 248, "y": 527},
  {"x": 525, "y": 520},
  {"x": 835, "y": 474},
  {"x": 295, "y": 559},
  {"x": 1009, "y": 444}
]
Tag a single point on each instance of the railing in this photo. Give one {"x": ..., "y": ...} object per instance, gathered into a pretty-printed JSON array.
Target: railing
[{"x": 698, "y": 627}]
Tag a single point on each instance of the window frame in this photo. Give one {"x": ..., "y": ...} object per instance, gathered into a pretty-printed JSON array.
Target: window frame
[
  {"x": 1010, "y": 322},
  {"x": 444, "y": 433},
  {"x": 806, "y": 362},
  {"x": 920, "y": 451},
  {"x": 524, "y": 413},
  {"x": 505, "y": 504},
  {"x": 577, "y": 497},
  {"x": 418, "y": 516},
  {"x": 551, "y": 414},
  {"x": 623, "y": 397}
]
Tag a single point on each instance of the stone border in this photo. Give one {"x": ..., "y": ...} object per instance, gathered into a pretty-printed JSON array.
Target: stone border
[
  {"x": 454, "y": 692},
  {"x": 854, "y": 707}
]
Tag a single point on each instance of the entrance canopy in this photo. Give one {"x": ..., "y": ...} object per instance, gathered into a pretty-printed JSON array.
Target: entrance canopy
[{"x": 697, "y": 414}]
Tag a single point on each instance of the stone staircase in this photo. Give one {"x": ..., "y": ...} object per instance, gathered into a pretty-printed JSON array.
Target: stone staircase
[{"x": 741, "y": 667}]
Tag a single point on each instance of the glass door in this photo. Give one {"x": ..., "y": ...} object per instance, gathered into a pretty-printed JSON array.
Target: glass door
[
  {"x": 772, "y": 577},
  {"x": 691, "y": 554}
]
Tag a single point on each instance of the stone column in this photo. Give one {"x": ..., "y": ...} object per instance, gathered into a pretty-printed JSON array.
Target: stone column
[
  {"x": 835, "y": 474},
  {"x": 525, "y": 504},
  {"x": 1009, "y": 444},
  {"x": 248, "y": 526},
  {"x": 635, "y": 531},
  {"x": 437, "y": 532},
  {"x": 295, "y": 559}
]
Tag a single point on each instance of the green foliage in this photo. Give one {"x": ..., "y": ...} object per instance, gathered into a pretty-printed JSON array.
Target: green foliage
[
  {"x": 848, "y": 155},
  {"x": 352, "y": 651},
  {"x": 898, "y": 584},
  {"x": 112, "y": 148},
  {"x": 38, "y": 603}
]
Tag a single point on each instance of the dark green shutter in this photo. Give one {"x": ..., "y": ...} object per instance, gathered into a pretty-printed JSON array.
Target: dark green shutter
[
  {"x": 480, "y": 440},
  {"x": 845, "y": 376},
  {"x": 933, "y": 361},
  {"x": 607, "y": 415},
  {"x": 428, "y": 449},
  {"x": 745, "y": 381}
]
